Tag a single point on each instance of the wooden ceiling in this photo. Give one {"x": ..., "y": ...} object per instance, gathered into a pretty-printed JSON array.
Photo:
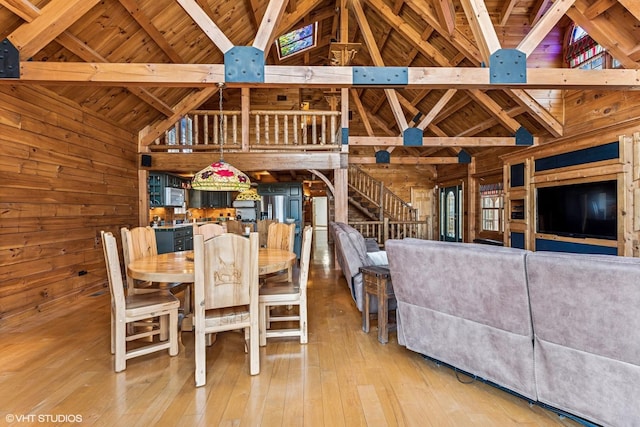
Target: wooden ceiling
[{"x": 452, "y": 34}]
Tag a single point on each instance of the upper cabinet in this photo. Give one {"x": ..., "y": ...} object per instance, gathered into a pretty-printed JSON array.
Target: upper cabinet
[
  {"x": 156, "y": 184},
  {"x": 209, "y": 199}
]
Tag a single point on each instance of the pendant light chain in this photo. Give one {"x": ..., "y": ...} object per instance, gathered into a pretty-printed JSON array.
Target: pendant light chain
[{"x": 220, "y": 86}]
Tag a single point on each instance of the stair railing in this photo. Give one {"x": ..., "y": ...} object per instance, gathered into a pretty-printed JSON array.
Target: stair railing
[{"x": 389, "y": 203}]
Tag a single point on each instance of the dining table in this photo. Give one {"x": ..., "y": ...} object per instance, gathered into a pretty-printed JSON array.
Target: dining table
[{"x": 179, "y": 267}]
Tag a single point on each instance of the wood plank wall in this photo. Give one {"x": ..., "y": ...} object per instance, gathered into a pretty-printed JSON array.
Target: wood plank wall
[{"x": 66, "y": 174}]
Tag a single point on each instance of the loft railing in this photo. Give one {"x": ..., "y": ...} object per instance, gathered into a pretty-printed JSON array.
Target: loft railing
[
  {"x": 384, "y": 230},
  {"x": 201, "y": 130},
  {"x": 389, "y": 204}
]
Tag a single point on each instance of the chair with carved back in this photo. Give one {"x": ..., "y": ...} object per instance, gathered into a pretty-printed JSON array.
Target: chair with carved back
[
  {"x": 131, "y": 309},
  {"x": 282, "y": 236},
  {"x": 290, "y": 294},
  {"x": 226, "y": 294},
  {"x": 137, "y": 243},
  {"x": 209, "y": 230}
]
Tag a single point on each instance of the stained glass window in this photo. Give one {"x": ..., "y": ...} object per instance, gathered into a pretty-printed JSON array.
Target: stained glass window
[
  {"x": 583, "y": 52},
  {"x": 297, "y": 41}
]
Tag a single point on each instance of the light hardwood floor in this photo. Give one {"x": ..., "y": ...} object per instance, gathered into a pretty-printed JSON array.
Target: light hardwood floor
[{"x": 59, "y": 365}]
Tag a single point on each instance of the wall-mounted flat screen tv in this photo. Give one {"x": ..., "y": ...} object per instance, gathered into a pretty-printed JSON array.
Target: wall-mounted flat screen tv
[{"x": 579, "y": 210}]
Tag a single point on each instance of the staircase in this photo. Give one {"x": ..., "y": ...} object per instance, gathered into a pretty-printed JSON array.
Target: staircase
[{"x": 374, "y": 200}]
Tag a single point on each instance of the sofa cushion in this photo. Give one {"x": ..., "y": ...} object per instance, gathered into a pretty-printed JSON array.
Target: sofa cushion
[
  {"x": 587, "y": 334},
  {"x": 481, "y": 283},
  {"x": 378, "y": 258},
  {"x": 465, "y": 305}
]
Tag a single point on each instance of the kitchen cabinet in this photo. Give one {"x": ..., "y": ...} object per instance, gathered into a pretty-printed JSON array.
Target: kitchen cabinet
[
  {"x": 157, "y": 182},
  {"x": 209, "y": 199},
  {"x": 174, "y": 239}
]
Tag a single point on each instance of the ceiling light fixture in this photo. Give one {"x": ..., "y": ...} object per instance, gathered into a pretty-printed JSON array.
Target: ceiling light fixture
[
  {"x": 250, "y": 194},
  {"x": 221, "y": 176}
]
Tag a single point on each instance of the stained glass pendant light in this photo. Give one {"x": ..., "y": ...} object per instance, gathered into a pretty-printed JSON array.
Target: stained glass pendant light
[
  {"x": 220, "y": 175},
  {"x": 250, "y": 194}
]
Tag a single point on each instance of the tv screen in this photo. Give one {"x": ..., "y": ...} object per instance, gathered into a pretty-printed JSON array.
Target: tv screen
[{"x": 579, "y": 210}]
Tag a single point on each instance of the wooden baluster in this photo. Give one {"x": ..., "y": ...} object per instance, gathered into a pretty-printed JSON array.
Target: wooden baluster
[
  {"x": 205, "y": 128},
  {"x": 196, "y": 129},
  {"x": 323, "y": 131},
  {"x": 266, "y": 129},
  {"x": 286, "y": 129},
  {"x": 276, "y": 129},
  {"x": 314, "y": 130},
  {"x": 234, "y": 125},
  {"x": 257, "y": 129}
]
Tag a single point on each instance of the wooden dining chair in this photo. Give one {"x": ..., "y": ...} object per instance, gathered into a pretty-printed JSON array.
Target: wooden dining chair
[
  {"x": 274, "y": 294},
  {"x": 235, "y": 226},
  {"x": 209, "y": 230},
  {"x": 133, "y": 308},
  {"x": 226, "y": 294},
  {"x": 137, "y": 243},
  {"x": 282, "y": 236},
  {"x": 263, "y": 230}
]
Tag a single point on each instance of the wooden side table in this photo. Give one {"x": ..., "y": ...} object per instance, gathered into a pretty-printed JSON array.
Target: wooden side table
[{"x": 377, "y": 282}]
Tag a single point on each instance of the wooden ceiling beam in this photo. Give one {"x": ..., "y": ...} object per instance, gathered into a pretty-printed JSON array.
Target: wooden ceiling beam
[
  {"x": 600, "y": 7},
  {"x": 431, "y": 115},
  {"x": 481, "y": 27},
  {"x": 446, "y": 14},
  {"x": 374, "y": 51},
  {"x": 437, "y": 131},
  {"x": 289, "y": 20},
  {"x": 383, "y": 126},
  {"x": 190, "y": 102},
  {"x": 193, "y": 162},
  {"x": 82, "y": 50},
  {"x": 405, "y": 160},
  {"x": 450, "y": 141},
  {"x": 269, "y": 24},
  {"x": 459, "y": 40},
  {"x": 544, "y": 25},
  {"x": 206, "y": 24},
  {"x": 538, "y": 10},
  {"x": 633, "y": 6},
  {"x": 54, "y": 18},
  {"x": 361, "y": 111},
  {"x": 494, "y": 109},
  {"x": 542, "y": 116},
  {"x": 489, "y": 123},
  {"x": 23, "y": 8},
  {"x": 505, "y": 12},
  {"x": 401, "y": 26},
  {"x": 203, "y": 75},
  {"x": 602, "y": 31}
]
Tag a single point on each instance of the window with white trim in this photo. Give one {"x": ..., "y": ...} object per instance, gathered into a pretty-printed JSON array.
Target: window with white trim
[{"x": 492, "y": 207}]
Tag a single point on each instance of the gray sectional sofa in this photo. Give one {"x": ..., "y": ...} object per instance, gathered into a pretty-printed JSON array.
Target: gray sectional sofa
[
  {"x": 561, "y": 329},
  {"x": 352, "y": 252}
]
